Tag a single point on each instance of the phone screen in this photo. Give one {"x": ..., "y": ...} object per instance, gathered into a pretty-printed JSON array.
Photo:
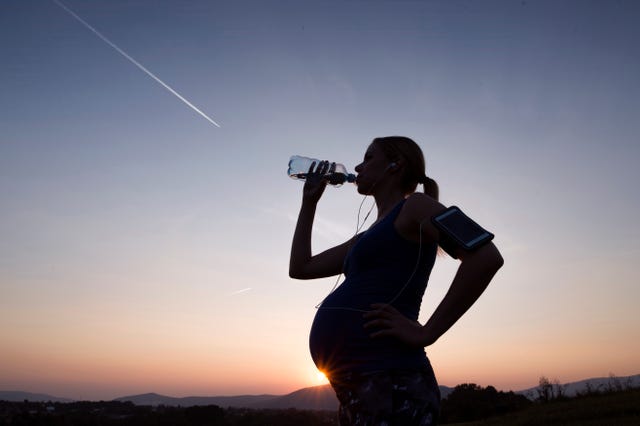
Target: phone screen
[{"x": 461, "y": 228}]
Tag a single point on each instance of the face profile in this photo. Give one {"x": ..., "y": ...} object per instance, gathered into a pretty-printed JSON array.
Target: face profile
[{"x": 371, "y": 170}]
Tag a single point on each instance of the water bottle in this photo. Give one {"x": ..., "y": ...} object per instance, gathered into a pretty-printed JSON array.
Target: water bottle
[{"x": 299, "y": 167}]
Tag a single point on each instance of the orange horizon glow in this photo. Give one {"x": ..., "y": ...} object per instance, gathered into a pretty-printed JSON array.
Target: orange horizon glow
[{"x": 85, "y": 378}]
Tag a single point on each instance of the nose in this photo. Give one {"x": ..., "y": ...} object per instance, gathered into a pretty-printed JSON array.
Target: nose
[{"x": 358, "y": 168}]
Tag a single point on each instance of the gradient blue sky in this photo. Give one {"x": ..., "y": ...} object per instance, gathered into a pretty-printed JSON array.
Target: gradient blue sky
[{"x": 143, "y": 249}]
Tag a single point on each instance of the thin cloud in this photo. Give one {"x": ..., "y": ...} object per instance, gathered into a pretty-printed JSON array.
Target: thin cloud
[{"x": 244, "y": 290}]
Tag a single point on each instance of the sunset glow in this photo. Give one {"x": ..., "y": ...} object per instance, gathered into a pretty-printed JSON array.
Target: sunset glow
[{"x": 321, "y": 378}]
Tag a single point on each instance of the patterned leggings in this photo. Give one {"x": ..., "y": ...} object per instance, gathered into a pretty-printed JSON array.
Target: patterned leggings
[{"x": 388, "y": 398}]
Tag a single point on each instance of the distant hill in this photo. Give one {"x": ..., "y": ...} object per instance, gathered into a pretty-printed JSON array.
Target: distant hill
[
  {"x": 595, "y": 384},
  {"x": 19, "y": 396},
  {"x": 312, "y": 398},
  {"x": 189, "y": 401}
]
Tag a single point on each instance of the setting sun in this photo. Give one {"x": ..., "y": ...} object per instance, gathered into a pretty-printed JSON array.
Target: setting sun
[{"x": 321, "y": 378}]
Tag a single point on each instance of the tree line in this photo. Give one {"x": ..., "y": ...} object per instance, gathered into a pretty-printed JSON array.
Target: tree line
[{"x": 117, "y": 413}]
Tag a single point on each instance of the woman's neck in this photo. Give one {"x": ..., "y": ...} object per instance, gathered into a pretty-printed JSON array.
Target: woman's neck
[{"x": 386, "y": 202}]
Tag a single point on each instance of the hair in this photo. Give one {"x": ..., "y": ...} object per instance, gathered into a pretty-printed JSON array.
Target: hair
[{"x": 405, "y": 149}]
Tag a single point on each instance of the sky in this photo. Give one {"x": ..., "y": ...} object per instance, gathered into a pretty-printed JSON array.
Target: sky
[{"x": 144, "y": 249}]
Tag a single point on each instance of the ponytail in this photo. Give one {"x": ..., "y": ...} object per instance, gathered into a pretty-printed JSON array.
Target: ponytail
[{"x": 431, "y": 188}]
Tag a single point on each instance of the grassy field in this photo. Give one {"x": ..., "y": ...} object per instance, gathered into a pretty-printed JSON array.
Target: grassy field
[{"x": 611, "y": 409}]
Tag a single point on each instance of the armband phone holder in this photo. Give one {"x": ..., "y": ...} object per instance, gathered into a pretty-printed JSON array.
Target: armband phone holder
[{"x": 457, "y": 230}]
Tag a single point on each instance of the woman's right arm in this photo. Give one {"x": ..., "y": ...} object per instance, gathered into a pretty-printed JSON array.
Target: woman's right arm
[{"x": 302, "y": 264}]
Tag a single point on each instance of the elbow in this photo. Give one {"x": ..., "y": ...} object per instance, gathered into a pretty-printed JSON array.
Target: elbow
[
  {"x": 497, "y": 261},
  {"x": 301, "y": 273},
  {"x": 295, "y": 269},
  {"x": 301, "y": 269},
  {"x": 296, "y": 273}
]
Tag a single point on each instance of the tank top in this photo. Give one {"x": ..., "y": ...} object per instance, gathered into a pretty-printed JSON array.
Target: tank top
[{"x": 377, "y": 270}]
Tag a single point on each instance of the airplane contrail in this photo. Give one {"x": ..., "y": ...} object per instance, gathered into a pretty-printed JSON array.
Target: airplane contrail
[
  {"x": 134, "y": 62},
  {"x": 244, "y": 290}
]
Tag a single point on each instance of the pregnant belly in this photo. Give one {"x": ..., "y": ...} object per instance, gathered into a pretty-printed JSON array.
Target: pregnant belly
[
  {"x": 330, "y": 338},
  {"x": 338, "y": 340}
]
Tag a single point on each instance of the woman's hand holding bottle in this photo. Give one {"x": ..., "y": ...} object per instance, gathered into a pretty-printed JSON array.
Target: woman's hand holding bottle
[{"x": 316, "y": 180}]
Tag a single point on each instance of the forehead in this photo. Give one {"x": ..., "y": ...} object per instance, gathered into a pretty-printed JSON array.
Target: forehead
[{"x": 374, "y": 149}]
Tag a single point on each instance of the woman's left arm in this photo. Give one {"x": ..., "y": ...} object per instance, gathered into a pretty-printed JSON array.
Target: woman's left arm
[
  {"x": 476, "y": 270},
  {"x": 474, "y": 274}
]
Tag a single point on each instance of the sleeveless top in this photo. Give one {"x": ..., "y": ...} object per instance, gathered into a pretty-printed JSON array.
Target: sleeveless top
[{"x": 377, "y": 269}]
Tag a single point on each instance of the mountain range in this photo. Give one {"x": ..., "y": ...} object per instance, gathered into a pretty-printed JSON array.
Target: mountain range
[
  {"x": 29, "y": 396},
  {"x": 311, "y": 398}
]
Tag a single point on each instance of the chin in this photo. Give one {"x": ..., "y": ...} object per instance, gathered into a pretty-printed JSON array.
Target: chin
[{"x": 363, "y": 189}]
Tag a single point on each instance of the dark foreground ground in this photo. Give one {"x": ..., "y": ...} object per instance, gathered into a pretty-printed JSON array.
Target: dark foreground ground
[
  {"x": 611, "y": 409},
  {"x": 607, "y": 409}
]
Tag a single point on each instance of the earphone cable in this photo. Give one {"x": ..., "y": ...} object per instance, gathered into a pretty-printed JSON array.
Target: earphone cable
[{"x": 400, "y": 291}]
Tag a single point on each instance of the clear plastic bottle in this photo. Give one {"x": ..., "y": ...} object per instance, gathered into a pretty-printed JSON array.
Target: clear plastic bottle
[{"x": 299, "y": 167}]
